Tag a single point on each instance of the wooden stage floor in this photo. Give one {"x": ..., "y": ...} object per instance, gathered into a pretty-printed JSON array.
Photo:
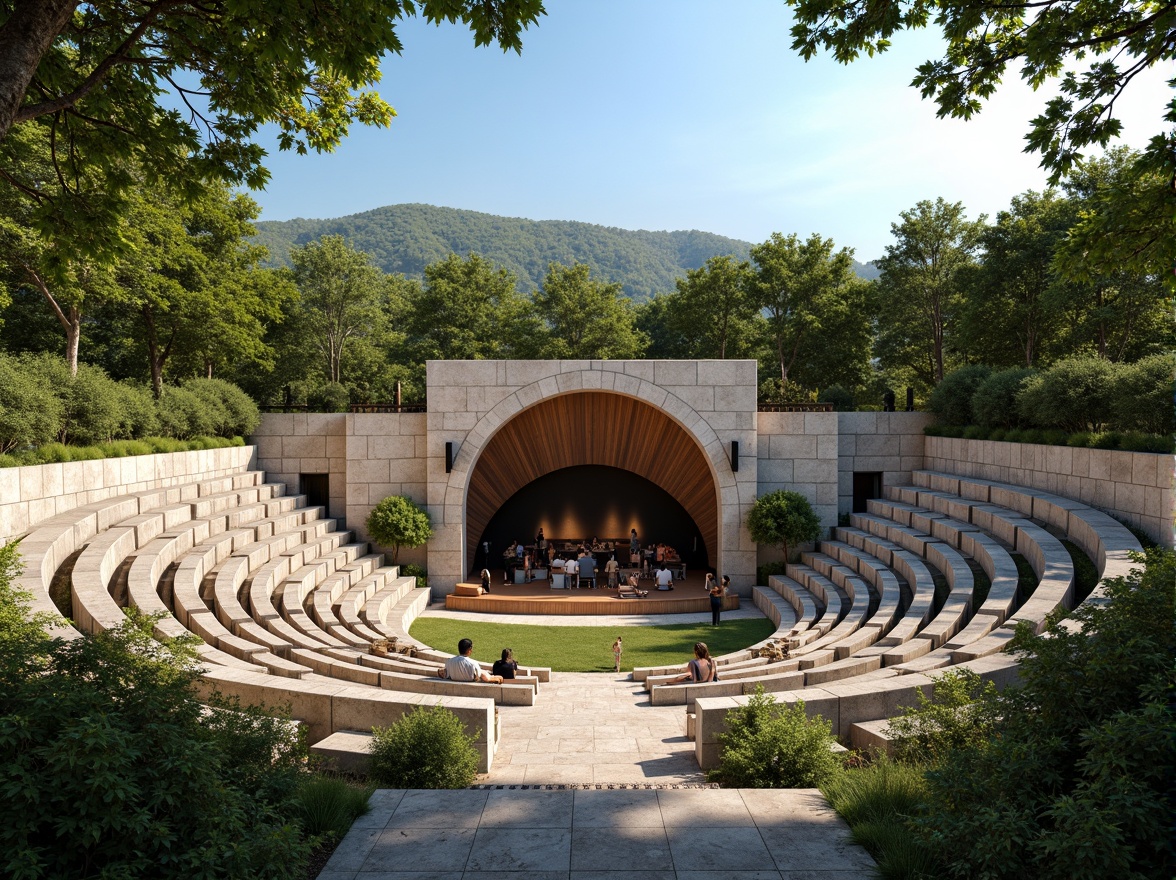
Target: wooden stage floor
[{"x": 537, "y": 597}]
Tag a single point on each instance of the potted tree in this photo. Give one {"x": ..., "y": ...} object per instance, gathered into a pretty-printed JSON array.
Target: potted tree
[{"x": 784, "y": 519}]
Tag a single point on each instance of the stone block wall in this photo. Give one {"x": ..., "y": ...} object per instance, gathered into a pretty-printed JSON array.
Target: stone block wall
[
  {"x": 1136, "y": 487},
  {"x": 715, "y": 401},
  {"x": 29, "y": 495},
  {"x": 291, "y": 444},
  {"x": 798, "y": 453},
  {"x": 890, "y": 443}
]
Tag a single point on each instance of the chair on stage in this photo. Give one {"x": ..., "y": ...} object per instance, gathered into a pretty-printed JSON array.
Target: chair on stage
[{"x": 588, "y": 571}]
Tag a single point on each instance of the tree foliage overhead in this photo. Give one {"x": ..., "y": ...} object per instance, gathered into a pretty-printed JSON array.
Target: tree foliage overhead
[
  {"x": 1115, "y": 39},
  {"x": 93, "y": 77}
]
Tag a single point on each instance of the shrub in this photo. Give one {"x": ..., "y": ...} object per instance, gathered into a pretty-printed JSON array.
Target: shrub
[
  {"x": 398, "y": 522},
  {"x": 768, "y": 745},
  {"x": 329, "y": 398},
  {"x": 1136, "y": 442},
  {"x": 30, "y": 413},
  {"x": 1079, "y": 439},
  {"x": 952, "y": 398},
  {"x": 954, "y": 717},
  {"x": 183, "y": 414},
  {"x": 783, "y": 518},
  {"x": 139, "y": 415},
  {"x": 994, "y": 402},
  {"x": 418, "y": 572},
  {"x": 765, "y": 571},
  {"x": 975, "y": 432},
  {"x": 427, "y": 748},
  {"x": 878, "y": 801},
  {"x": 1105, "y": 440},
  {"x": 1073, "y": 782},
  {"x": 1075, "y": 394},
  {"x": 231, "y": 410},
  {"x": 93, "y": 407},
  {"x": 328, "y": 805},
  {"x": 841, "y": 398},
  {"x": 1142, "y": 396},
  {"x": 112, "y": 767}
]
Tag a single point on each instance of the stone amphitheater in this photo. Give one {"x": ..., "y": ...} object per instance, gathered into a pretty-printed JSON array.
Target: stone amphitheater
[{"x": 287, "y": 596}]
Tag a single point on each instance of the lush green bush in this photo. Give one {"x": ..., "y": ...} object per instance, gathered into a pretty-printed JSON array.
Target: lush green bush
[
  {"x": 770, "y": 745},
  {"x": 1075, "y": 394},
  {"x": 783, "y": 518},
  {"x": 952, "y": 398},
  {"x": 427, "y": 748},
  {"x": 111, "y": 767},
  {"x": 398, "y": 521},
  {"x": 30, "y": 413},
  {"x": 1073, "y": 782},
  {"x": 140, "y": 418},
  {"x": 841, "y": 398},
  {"x": 878, "y": 801},
  {"x": 232, "y": 412},
  {"x": 328, "y": 805},
  {"x": 994, "y": 402},
  {"x": 1142, "y": 400},
  {"x": 952, "y": 718},
  {"x": 183, "y": 414},
  {"x": 418, "y": 572},
  {"x": 329, "y": 398},
  {"x": 763, "y": 572}
]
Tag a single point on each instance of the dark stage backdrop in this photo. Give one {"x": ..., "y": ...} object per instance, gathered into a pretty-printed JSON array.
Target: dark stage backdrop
[{"x": 593, "y": 500}]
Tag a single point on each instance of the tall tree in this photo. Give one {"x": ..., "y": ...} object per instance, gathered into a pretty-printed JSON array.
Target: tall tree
[
  {"x": 1010, "y": 315},
  {"x": 586, "y": 318},
  {"x": 93, "y": 76},
  {"x": 69, "y": 283},
  {"x": 340, "y": 295},
  {"x": 918, "y": 295},
  {"x": 713, "y": 309},
  {"x": 803, "y": 287},
  {"x": 469, "y": 309}
]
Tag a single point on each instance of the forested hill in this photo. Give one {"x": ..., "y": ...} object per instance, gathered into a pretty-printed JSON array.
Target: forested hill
[{"x": 406, "y": 238}]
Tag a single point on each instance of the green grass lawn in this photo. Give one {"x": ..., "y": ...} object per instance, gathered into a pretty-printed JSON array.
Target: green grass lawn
[{"x": 589, "y": 648}]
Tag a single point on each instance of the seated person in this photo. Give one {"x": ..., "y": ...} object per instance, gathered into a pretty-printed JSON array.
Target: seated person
[
  {"x": 612, "y": 568},
  {"x": 463, "y": 667},
  {"x": 506, "y": 667},
  {"x": 701, "y": 668},
  {"x": 664, "y": 578},
  {"x": 557, "y": 564}
]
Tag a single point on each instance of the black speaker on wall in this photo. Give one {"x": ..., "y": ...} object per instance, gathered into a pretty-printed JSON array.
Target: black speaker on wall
[
  {"x": 448, "y": 457},
  {"x": 734, "y": 455}
]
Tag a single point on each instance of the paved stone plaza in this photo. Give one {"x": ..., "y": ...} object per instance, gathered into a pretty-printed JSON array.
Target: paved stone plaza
[
  {"x": 598, "y": 833},
  {"x": 593, "y": 782}
]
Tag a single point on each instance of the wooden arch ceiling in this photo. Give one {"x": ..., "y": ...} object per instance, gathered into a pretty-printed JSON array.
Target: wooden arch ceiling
[{"x": 592, "y": 427}]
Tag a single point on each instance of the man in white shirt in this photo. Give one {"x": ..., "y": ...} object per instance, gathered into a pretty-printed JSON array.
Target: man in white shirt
[
  {"x": 665, "y": 579},
  {"x": 572, "y": 570},
  {"x": 463, "y": 667}
]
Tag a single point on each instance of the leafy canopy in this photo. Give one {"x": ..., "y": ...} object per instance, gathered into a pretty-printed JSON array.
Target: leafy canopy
[
  {"x": 399, "y": 522},
  {"x": 783, "y": 518},
  {"x": 185, "y": 87},
  {"x": 1115, "y": 39}
]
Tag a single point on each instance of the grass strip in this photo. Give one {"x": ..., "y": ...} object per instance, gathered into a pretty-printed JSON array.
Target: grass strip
[{"x": 589, "y": 648}]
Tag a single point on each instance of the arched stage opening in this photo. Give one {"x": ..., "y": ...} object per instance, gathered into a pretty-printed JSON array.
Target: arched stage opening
[
  {"x": 598, "y": 428},
  {"x": 594, "y": 501}
]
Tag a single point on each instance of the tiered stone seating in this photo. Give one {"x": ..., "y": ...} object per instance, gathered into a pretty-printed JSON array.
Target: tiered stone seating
[
  {"x": 232, "y": 561},
  {"x": 940, "y": 526}
]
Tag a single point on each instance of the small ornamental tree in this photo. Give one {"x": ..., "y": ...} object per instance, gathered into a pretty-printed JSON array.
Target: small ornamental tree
[
  {"x": 783, "y": 518},
  {"x": 399, "y": 522}
]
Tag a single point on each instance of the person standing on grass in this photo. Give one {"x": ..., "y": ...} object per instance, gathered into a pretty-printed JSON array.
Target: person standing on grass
[
  {"x": 617, "y": 650},
  {"x": 717, "y": 591}
]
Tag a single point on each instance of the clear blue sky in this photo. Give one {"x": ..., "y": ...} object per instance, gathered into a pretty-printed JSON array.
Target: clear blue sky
[{"x": 674, "y": 114}]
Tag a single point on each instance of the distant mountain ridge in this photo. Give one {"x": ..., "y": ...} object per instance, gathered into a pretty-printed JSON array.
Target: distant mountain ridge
[{"x": 406, "y": 238}]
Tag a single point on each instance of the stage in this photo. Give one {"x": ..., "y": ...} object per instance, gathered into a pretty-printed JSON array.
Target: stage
[{"x": 537, "y": 597}]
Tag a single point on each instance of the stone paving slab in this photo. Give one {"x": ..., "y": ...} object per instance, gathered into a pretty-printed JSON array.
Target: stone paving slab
[{"x": 569, "y": 833}]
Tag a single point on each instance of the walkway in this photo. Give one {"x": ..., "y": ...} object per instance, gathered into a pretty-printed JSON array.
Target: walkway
[
  {"x": 591, "y": 783},
  {"x": 599, "y": 834}
]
